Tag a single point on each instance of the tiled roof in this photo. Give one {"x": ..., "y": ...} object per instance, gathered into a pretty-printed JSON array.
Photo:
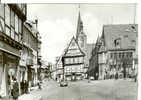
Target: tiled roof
[{"x": 125, "y": 33}]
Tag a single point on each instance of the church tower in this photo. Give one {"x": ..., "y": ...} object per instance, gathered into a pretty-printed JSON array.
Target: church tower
[{"x": 81, "y": 38}]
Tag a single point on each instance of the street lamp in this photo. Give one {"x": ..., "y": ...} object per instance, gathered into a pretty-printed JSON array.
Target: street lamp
[{"x": 63, "y": 67}]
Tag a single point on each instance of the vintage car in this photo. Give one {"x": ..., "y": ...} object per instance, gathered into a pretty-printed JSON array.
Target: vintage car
[{"x": 63, "y": 83}]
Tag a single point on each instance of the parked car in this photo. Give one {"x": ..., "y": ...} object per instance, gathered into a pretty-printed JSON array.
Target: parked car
[
  {"x": 91, "y": 78},
  {"x": 63, "y": 83}
]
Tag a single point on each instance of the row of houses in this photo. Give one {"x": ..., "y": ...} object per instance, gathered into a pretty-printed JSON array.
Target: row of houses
[
  {"x": 115, "y": 52},
  {"x": 20, "y": 46}
]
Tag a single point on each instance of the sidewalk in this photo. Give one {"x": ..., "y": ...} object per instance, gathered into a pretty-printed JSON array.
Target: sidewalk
[{"x": 34, "y": 95}]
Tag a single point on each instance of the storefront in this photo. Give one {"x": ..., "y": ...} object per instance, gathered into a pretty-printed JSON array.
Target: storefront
[
  {"x": 9, "y": 61},
  {"x": 8, "y": 69},
  {"x": 1, "y": 69}
]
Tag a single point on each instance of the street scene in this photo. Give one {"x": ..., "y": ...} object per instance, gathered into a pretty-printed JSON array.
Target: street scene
[{"x": 68, "y": 51}]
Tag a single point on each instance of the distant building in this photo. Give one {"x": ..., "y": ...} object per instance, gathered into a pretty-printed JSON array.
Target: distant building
[
  {"x": 73, "y": 61},
  {"x": 118, "y": 44},
  {"x": 31, "y": 47},
  {"x": 93, "y": 61},
  {"x": 81, "y": 39}
]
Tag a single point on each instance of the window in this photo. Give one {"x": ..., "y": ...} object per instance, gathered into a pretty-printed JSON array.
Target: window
[
  {"x": 20, "y": 26},
  {"x": 2, "y": 10},
  {"x": 73, "y": 60},
  {"x": 115, "y": 55},
  {"x": 12, "y": 33},
  {"x": 66, "y": 61},
  {"x": 12, "y": 19},
  {"x": 7, "y": 31},
  {"x": 16, "y": 37},
  {"x": 73, "y": 43},
  {"x": 1, "y": 24},
  {"x": 119, "y": 55},
  {"x": 131, "y": 55},
  {"x": 20, "y": 37},
  {"x": 7, "y": 15},
  {"x": 111, "y": 55},
  {"x": 123, "y": 55},
  {"x": 117, "y": 42},
  {"x": 78, "y": 60},
  {"x": 16, "y": 23}
]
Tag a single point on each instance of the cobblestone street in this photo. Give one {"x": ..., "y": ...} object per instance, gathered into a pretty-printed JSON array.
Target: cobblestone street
[{"x": 82, "y": 90}]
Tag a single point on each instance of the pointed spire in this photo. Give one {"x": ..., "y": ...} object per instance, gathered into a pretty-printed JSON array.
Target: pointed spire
[{"x": 79, "y": 25}]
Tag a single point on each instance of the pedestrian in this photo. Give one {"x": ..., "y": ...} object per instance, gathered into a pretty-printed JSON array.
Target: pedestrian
[
  {"x": 26, "y": 86},
  {"x": 39, "y": 85},
  {"x": 22, "y": 87},
  {"x": 116, "y": 75},
  {"x": 15, "y": 91}
]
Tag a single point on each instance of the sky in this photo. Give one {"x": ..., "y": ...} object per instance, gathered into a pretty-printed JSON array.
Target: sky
[{"x": 58, "y": 22}]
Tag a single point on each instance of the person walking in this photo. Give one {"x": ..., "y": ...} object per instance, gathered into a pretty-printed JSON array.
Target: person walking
[
  {"x": 15, "y": 91},
  {"x": 22, "y": 87}
]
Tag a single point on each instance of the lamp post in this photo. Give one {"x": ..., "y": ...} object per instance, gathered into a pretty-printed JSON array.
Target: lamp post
[{"x": 63, "y": 68}]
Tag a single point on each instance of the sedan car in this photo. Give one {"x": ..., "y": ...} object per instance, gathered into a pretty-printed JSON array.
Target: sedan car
[{"x": 63, "y": 83}]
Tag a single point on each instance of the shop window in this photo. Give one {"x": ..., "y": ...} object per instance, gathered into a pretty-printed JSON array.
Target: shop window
[
  {"x": 12, "y": 19},
  {"x": 7, "y": 15}
]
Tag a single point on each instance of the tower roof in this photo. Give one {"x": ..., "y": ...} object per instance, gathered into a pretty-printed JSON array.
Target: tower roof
[{"x": 79, "y": 26}]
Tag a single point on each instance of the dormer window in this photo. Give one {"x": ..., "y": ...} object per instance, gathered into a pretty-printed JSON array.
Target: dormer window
[{"x": 117, "y": 42}]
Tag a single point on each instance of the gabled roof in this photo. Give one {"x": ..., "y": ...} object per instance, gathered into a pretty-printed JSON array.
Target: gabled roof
[
  {"x": 73, "y": 49},
  {"x": 126, "y": 33}
]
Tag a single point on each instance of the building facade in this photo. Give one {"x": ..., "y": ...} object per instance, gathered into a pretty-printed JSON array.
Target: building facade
[
  {"x": 12, "y": 17},
  {"x": 81, "y": 41},
  {"x": 19, "y": 47},
  {"x": 93, "y": 61},
  {"x": 115, "y": 56},
  {"x": 73, "y": 61},
  {"x": 31, "y": 41}
]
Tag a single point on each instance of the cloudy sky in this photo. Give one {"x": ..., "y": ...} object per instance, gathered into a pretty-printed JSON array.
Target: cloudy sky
[{"x": 57, "y": 22}]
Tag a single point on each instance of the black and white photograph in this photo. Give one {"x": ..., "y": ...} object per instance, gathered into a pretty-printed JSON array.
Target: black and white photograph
[{"x": 69, "y": 51}]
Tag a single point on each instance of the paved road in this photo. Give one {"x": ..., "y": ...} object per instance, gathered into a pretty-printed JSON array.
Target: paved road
[{"x": 95, "y": 90}]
